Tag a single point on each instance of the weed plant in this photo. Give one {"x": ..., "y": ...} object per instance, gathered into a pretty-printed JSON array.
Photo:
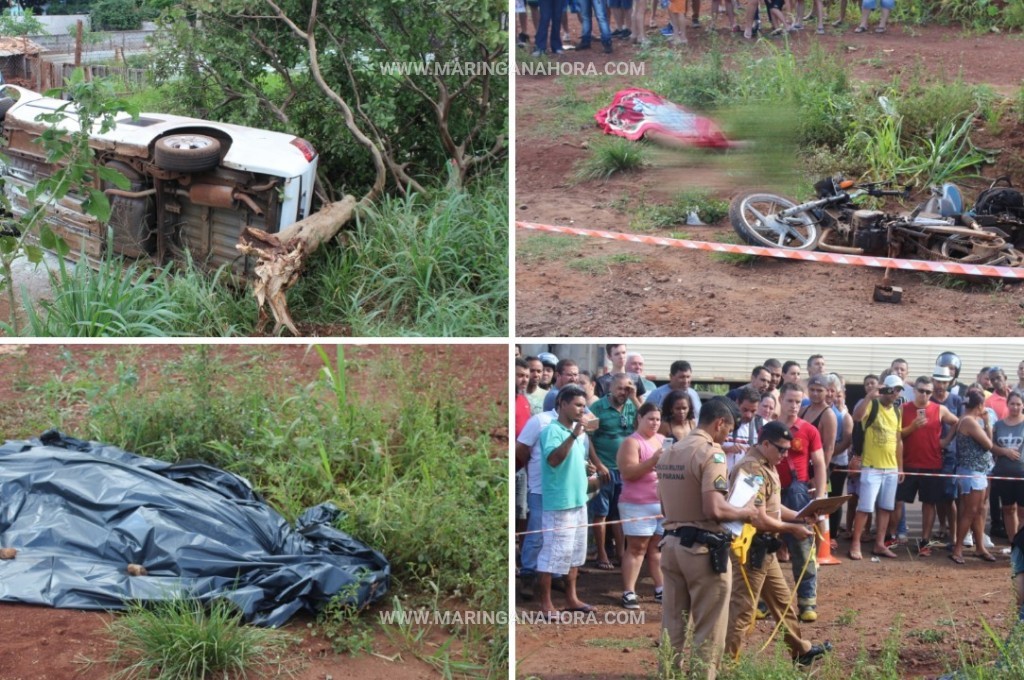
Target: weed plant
[
  {"x": 181, "y": 638},
  {"x": 609, "y": 156}
]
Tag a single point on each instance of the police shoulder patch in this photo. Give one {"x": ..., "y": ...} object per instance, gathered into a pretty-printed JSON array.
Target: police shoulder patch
[
  {"x": 718, "y": 458},
  {"x": 721, "y": 484}
]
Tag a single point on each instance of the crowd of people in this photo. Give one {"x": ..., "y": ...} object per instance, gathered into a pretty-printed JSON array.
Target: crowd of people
[
  {"x": 633, "y": 20},
  {"x": 652, "y": 470}
]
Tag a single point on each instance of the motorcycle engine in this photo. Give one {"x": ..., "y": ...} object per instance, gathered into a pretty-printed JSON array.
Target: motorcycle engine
[{"x": 869, "y": 231}]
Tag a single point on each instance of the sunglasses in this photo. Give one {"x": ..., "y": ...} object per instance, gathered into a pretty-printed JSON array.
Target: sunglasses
[
  {"x": 781, "y": 449},
  {"x": 885, "y": 390},
  {"x": 921, "y": 391}
]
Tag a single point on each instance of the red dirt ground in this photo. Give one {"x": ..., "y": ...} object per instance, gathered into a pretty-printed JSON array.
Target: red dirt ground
[
  {"x": 857, "y": 604},
  {"x": 675, "y": 292},
  {"x": 40, "y": 643}
]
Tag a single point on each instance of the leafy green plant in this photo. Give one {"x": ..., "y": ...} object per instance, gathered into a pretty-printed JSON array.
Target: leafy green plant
[
  {"x": 182, "y": 638},
  {"x": 709, "y": 209},
  {"x": 602, "y": 264},
  {"x": 111, "y": 301},
  {"x": 609, "y": 156}
]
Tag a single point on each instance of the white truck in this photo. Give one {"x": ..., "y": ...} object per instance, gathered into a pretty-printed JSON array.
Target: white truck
[{"x": 195, "y": 184}]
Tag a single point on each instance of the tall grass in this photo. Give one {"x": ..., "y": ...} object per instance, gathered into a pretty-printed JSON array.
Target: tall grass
[
  {"x": 610, "y": 156},
  {"x": 182, "y": 638},
  {"x": 417, "y": 265}
]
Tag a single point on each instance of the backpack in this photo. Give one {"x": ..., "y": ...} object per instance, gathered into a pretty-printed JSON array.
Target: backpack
[{"x": 858, "y": 430}]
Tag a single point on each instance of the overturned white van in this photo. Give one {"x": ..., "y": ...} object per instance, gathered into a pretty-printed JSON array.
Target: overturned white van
[{"x": 195, "y": 184}]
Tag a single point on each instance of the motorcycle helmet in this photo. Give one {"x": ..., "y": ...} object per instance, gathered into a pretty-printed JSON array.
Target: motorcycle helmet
[
  {"x": 548, "y": 359},
  {"x": 949, "y": 360}
]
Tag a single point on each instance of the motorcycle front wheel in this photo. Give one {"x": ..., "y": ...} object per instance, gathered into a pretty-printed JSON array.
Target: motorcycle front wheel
[{"x": 755, "y": 217}]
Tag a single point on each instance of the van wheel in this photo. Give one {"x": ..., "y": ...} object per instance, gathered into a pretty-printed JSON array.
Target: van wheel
[
  {"x": 5, "y": 105},
  {"x": 186, "y": 153}
]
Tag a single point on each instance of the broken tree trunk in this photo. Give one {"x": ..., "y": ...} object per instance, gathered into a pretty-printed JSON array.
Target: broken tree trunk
[{"x": 282, "y": 256}]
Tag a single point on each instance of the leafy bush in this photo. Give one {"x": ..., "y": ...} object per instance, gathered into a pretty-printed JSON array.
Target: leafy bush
[
  {"x": 115, "y": 15},
  {"x": 609, "y": 156}
]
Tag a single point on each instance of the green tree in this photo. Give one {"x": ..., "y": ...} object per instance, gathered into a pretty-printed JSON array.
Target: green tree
[
  {"x": 318, "y": 68},
  {"x": 25, "y": 24}
]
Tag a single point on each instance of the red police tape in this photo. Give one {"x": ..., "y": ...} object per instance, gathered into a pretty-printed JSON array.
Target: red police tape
[
  {"x": 890, "y": 472},
  {"x": 808, "y": 255}
]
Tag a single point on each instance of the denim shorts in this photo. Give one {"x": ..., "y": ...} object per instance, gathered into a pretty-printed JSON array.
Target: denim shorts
[
  {"x": 631, "y": 526},
  {"x": 1016, "y": 561},
  {"x": 873, "y": 4},
  {"x": 877, "y": 484},
  {"x": 971, "y": 480},
  {"x": 607, "y": 498}
]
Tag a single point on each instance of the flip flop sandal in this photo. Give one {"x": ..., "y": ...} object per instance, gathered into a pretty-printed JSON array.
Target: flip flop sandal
[
  {"x": 856, "y": 556},
  {"x": 988, "y": 557},
  {"x": 958, "y": 560},
  {"x": 605, "y": 566},
  {"x": 586, "y": 609},
  {"x": 884, "y": 553},
  {"x": 860, "y": 29},
  {"x": 880, "y": 29}
]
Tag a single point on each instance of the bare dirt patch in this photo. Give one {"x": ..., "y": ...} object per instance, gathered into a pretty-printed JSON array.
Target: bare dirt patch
[
  {"x": 669, "y": 291},
  {"x": 41, "y": 643}
]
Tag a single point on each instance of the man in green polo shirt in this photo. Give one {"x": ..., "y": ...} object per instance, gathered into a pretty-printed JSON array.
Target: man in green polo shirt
[{"x": 616, "y": 414}]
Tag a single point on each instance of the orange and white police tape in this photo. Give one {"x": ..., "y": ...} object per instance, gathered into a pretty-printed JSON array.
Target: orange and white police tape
[
  {"x": 807, "y": 255},
  {"x": 890, "y": 472}
]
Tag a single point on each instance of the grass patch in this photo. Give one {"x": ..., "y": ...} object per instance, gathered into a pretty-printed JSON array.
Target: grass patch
[
  {"x": 182, "y": 638},
  {"x": 928, "y": 635},
  {"x": 543, "y": 247},
  {"x": 734, "y": 258},
  {"x": 414, "y": 474},
  {"x": 609, "y": 156},
  {"x": 602, "y": 264},
  {"x": 652, "y": 217}
]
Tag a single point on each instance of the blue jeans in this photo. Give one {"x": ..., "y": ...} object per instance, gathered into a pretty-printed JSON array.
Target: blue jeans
[
  {"x": 795, "y": 497},
  {"x": 600, "y": 9},
  {"x": 531, "y": 542},
  {"x": 550, "y": 22}
]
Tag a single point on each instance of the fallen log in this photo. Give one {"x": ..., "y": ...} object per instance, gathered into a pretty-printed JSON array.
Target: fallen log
[{"x": 282, "y": 256}]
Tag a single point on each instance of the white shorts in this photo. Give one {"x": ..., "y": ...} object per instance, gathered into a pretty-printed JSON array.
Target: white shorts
[
  {"x": 877, "y": 484},
  {"x": 520, "y": 6},
  {"x": 565, "y": 540},
  {"x": 640, "y": 527}
]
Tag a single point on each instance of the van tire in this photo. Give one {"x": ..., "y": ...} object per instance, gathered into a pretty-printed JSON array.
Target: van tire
[
  {"x": 186, "y": 153},
  {"x": 5, "y": 105}
]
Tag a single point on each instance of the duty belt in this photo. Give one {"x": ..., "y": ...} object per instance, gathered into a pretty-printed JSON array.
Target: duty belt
[{"x": 689, "y": 535}]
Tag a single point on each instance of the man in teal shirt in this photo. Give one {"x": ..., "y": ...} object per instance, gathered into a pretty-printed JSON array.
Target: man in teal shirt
[
  {"x": 616, "y": 413},
  {"x": 564, "y": 498}
]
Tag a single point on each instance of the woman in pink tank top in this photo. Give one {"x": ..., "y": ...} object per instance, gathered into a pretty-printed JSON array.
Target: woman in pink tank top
[{"x": 639, "y": 507}]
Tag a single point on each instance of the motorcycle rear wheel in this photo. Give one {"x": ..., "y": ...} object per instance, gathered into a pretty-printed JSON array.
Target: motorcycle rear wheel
[{"x": 754, "y": 216}]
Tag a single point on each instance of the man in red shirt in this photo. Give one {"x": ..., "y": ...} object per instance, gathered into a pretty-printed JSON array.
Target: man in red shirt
[
  {"x": 805, "y": 459},
  {"x": 1000, "y": 391},
  {"x": 922, "y": 453},
  {"x": 522, "y": 404}
]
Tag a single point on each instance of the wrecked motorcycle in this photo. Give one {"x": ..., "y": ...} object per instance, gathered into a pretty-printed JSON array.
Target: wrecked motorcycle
[{"x": 939, "y": 229}]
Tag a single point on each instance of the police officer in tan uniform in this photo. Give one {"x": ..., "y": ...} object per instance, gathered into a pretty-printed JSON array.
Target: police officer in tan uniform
[
  {"x": 764, "y": 577},
  {"x": 692, "y": 485}
]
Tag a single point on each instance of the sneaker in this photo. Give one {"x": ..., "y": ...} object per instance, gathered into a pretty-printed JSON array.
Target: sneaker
[
  {"x": 668, "y": 30},
  {"x": 526, "y": 588},
  {"x": 618, "y": 33},
  {"x": 762, "y": 611},
  {"x": 987, "y": 542},
  {"x": 813, "y": 653},
  {"x": 606, "y": 47},
  {"x": 695, "y": 23},
  {"x": 901, "y": 539},
  {"x": 536, "y": 54},
  {"x": 969, "y": 540},
  {"x": 924, "y": 549},
  {"x": 658, "y": 595},
  {"x": 582, "y": 46},
  {"x": 797, "y": 27},
  {"x": 808, "y": 614},
  {"x": 629, "y": 600},
  {"x": 625, "y": 33},
  {"x": 523, "y": 40}
]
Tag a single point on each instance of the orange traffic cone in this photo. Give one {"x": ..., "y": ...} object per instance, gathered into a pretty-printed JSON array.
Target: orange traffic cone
[{"x": 825, "y": 547}]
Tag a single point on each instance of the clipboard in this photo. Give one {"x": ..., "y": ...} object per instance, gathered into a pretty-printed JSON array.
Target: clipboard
[{"x": 823, "y": 506}]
